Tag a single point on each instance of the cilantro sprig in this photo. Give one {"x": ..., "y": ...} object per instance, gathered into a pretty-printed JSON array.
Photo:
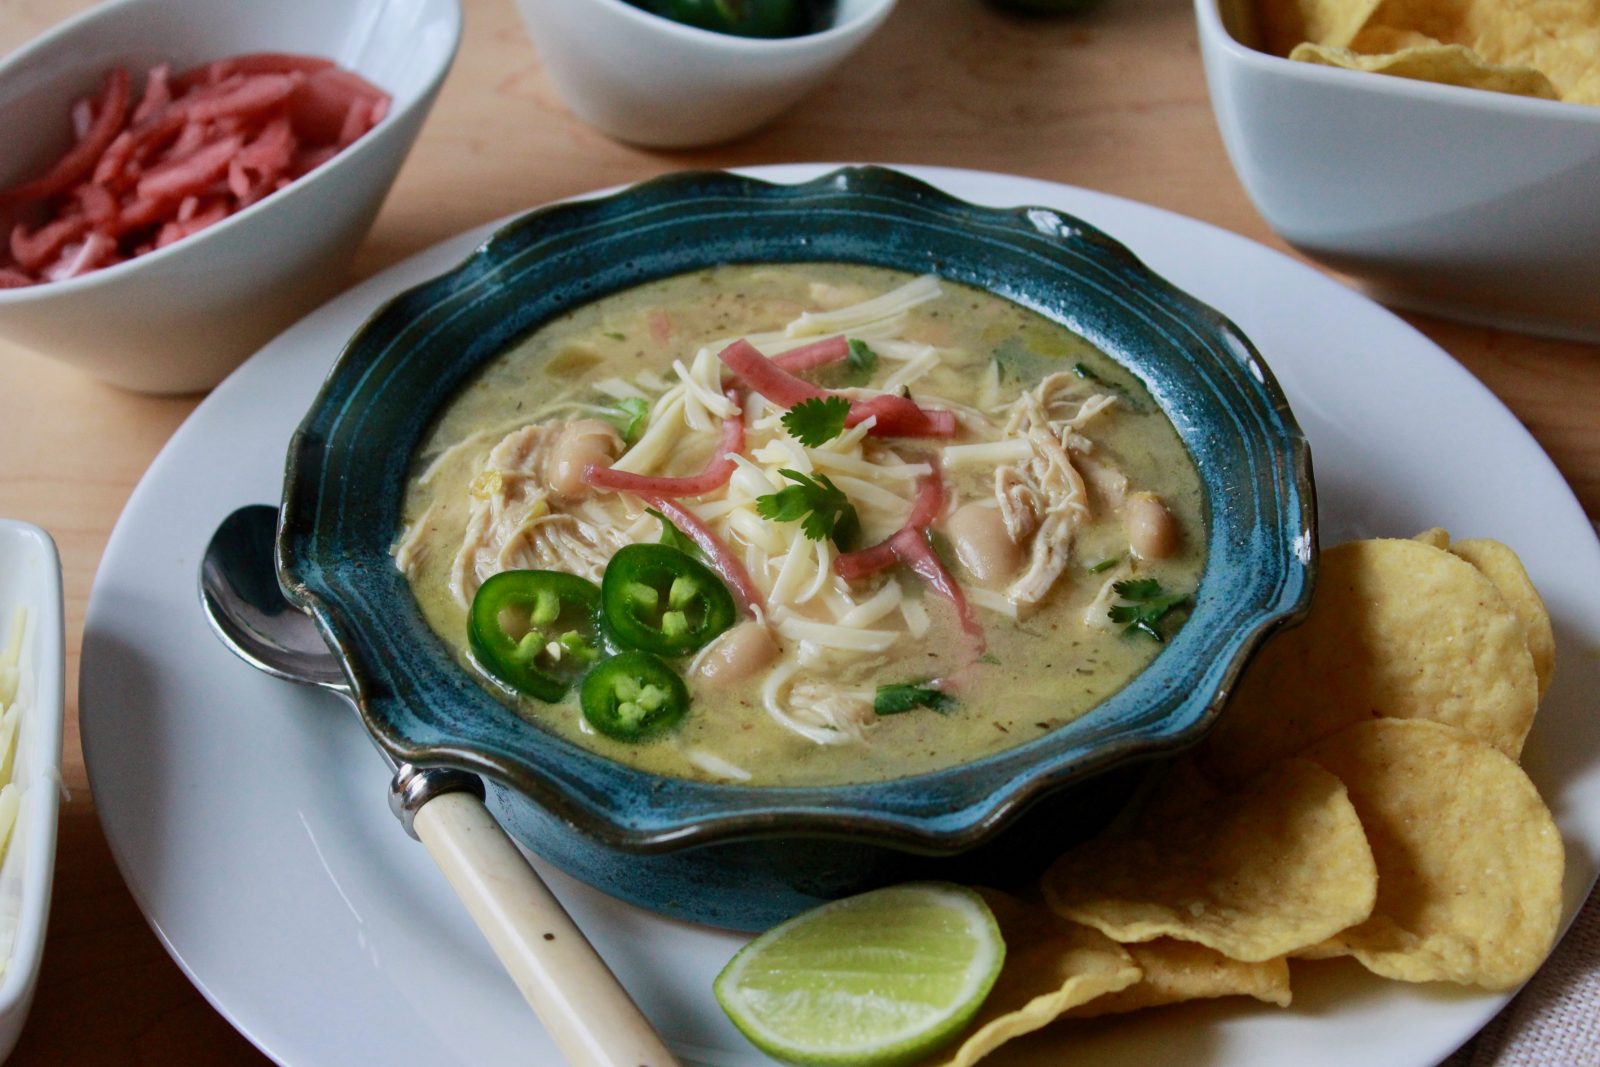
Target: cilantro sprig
[
  {"x": 895, "y": 699},
  {"x": 859, "y": 364},
  {"x": 628, "y": 417},
  {"x": 826, "y": 511},
  {"x": 861, "y": 358},
  {"x": 817, "y": 420},
  {"x": 673, "y": 537},
  {"x": 1147, "y": 604}
]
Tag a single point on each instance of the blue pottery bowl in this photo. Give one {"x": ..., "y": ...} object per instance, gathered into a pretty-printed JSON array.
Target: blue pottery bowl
[{"x": 746, "y": 856}]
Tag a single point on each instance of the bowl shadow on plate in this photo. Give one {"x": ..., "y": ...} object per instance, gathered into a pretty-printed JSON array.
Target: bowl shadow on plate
[
  {"x": 1175, "y": 1034},
  {"x": 141, "y": 744},
  {"x": 658, "y": 841}
]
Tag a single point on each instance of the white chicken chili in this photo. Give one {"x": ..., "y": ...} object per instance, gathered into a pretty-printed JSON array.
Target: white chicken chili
[{"x": 809, "y": 524}]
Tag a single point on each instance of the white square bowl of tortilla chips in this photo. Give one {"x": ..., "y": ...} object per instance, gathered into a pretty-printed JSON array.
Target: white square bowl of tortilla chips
[{"x": 1444, "y": 153}]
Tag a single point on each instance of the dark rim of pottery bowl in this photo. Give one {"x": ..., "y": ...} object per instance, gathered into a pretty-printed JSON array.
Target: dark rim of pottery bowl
[{"x": 349, "y": 460}]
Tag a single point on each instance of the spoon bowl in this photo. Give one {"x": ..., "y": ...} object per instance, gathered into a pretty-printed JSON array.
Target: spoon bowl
[{"x": 247, "y": 610}]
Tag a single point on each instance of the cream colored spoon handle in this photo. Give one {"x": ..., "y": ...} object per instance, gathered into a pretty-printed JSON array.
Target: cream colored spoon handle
[{"x": 593, "y": 1020}]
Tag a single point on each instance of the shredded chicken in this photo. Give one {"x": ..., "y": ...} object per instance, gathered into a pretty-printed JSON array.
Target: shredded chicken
[
  {"x": 411, "y": 549},
  {"x": 1043, "y": 498},
  {"x": 1109, "y": 484},
  {"x": 820, "y": 711},
  {"x": 518, "y": 520}
]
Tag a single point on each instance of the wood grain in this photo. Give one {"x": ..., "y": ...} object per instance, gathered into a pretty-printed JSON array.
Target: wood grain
[{"x": 1113, "y": 100}]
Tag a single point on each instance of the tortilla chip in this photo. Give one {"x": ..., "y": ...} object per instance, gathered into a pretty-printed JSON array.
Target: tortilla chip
[
  {"x": 1377, "y": 40},
  {"x": 1176, "y": 971},
  {"x": 1443, "y": 64},
  {"x": 1437, "y": 536},
  {"x": 1327, "y": 950},
  {"x": 1332, "y": 22},
  {"x": 1508, "y": 41},
  {"x": 1397, "y": 629},
  {"x": 1256, "y": 874},
  {"x": 1469, "y": 859},
  {"x": 1502, "y": 567},
  {"x": 1173, "y": 791},
  {"x": 1051, "y": 967},
  {"x": 1559, "y": 37}
]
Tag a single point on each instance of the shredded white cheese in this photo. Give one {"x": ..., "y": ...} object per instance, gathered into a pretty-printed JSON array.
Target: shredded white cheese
[
  {"x": 987, "y": 453},
  {"x": 715, "y": 765},
  {"x": 852, "y": 319},
  {"x": 15, "y": 690},
  {"x": 619, "y": 389}
]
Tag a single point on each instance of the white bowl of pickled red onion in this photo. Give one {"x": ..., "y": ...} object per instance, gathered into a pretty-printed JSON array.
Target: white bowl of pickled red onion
[{"x": 160, "y": 224}]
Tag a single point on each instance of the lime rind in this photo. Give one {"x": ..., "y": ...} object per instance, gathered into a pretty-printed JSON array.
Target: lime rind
[{"x": 877, "y": 980}]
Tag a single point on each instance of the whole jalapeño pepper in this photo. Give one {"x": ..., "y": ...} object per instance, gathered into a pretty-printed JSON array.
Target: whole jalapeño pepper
[
  {"x": 659, "y": 599},
  {"x": 534, "y": 631}
]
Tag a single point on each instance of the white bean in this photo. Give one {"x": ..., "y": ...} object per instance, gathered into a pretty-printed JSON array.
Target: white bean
[
  {"x": 584, "y": 443},
  {"x": 1152, "y": 531},
  {"x": 736, "y": 654},
  {"x": 982, "y": 543}
]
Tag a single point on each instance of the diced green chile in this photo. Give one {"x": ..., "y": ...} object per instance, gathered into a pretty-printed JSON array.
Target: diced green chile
[
  {"x": 659, "y": 599},
  {"x": 556, "y": 608},
  {"x": 633, "y": 696}
]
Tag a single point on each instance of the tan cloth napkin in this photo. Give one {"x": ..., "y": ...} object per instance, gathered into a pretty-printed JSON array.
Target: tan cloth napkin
[{"x": 1555, "y": 1020}]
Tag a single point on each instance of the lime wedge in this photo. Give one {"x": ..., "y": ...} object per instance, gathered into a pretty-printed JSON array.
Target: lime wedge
[{"x": 871, "y": 981}]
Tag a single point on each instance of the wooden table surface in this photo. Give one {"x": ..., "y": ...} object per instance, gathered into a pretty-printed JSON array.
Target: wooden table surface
[{"x": 1112, "y": 100}]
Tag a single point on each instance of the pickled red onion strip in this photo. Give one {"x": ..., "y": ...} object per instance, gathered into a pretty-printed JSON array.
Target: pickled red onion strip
[
  {"x": 896, "y": 415},
  {"x": 909, "y": 545},
  {"x": 900, "y": 417},
  {"x": 881, "y": 556},
  {"x": 816, "y": 354},
  {"x": 157, "y": 93},
  {"x": 718, "y": 555},
  {"x": 192, "y": 174},
  {"x": 250, "y": 63},
  {"x": 865, "y": 561},
  {"x": 81, "y": 157},
  {"x": 33, "y": 250},
  {"x": 713, "y": 477},
  {"x": 766, "y": 377}
]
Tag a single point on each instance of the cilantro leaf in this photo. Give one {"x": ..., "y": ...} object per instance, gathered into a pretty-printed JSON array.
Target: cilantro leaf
[
  {"x": 895, "y": 699},
  {"x": 1147, "y": 604},
  {"x": 673, "y": 537},
  {"x": 857, "y": 367},
  {"x": 826, "y": 511},
  {"x": 862, "y": 359},
  {"x": 817, "y": 420},
  {"x": 628, "y": 416}
]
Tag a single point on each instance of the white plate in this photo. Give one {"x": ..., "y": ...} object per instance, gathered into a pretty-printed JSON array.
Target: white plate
[{"x": 249, "y": 818}]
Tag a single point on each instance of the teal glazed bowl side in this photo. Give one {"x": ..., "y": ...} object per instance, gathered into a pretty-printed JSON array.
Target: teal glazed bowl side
[{"x": 744, "y": 855}]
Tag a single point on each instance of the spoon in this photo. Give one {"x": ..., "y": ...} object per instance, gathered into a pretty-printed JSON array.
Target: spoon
[{"x": 591, "y": 1017}]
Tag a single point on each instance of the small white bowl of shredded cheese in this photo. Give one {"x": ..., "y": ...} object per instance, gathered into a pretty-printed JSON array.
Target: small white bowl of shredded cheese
[{"x": 32, "y": 664}]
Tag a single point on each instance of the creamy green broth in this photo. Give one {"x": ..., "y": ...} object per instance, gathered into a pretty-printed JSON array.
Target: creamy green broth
[{"x": 1039, "y": 671}]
